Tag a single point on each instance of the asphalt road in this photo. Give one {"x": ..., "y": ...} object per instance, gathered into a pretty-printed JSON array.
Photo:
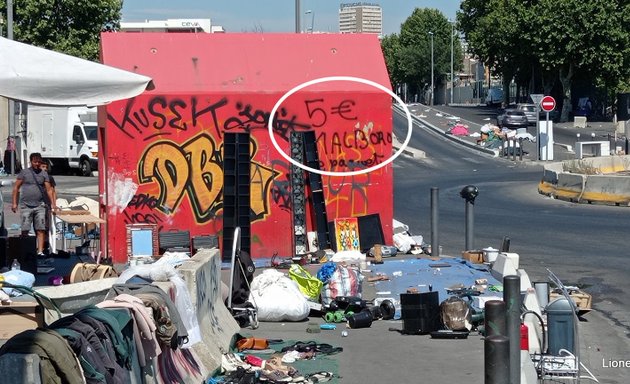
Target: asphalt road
[{"x": 584, "y": 245}]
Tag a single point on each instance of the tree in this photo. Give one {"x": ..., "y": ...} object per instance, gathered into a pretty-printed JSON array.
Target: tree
[
  {"x": 576, "y": 36},
  {"x": 69, "y": 26},
  {"x": 408, "y": 55},
  {"x": 559, "y": 38},
  {"x": 493, "y": 30}
]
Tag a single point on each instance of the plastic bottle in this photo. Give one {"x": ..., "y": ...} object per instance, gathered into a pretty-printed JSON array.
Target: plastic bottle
[{"x": 15, "y": 265}]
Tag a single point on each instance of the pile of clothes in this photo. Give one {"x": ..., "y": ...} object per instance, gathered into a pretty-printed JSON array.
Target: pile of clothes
[{"x": 135, "y": 332}]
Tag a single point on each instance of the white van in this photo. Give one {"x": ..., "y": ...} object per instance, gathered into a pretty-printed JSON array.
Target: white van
[{"x": 65, "y": 136}]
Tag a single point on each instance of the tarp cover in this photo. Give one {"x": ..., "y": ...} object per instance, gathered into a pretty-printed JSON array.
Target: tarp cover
[{"x": 41, "y": 76}]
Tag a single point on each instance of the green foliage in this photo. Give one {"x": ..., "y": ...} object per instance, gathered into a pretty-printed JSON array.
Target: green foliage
[
  {"x": 562, "y": 38},
  {"x": 69, "y": 26},
  {"x": 408, "y": 54}
]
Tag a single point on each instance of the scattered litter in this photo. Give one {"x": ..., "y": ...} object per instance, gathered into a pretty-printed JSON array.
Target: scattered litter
[
  {"x": 397, "y": 273},
  {"x": 439, "y": 114}
]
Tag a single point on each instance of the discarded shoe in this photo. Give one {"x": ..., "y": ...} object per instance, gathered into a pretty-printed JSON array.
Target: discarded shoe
[
  {"x": 230, "y": 362},
  {"x": 319, "y": 377}
]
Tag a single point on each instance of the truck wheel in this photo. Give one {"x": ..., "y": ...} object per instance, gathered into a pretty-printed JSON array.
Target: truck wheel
[{"x": 85, "y": 168}]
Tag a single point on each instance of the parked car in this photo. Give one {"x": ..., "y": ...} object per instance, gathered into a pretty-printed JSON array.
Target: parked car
[
  {"x": 512, "y": 118},
  {"x": 494, "y": 96},
  {"x": 529, "y": 110}
]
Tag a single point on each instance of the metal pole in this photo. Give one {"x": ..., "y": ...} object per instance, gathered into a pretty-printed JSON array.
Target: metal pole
[
  {"x": 470, "y": 224},
  {"x": 547, "y": 135},
  {"x": 432, "y": 85},
  {"x": 494, "y": 320},
  {"x": 312, "y": 21},
  {"x": 537, "y": 132},
  {"x": 505, "y": 245},
  {"x": 512, "y": 299},
  {"x": 11, "y": 110},
  {"x": 496, "y": 362},
  {"x": 452, "y": 49},
  {"x": 435, "y": 240},
  {"x": 297, "y": 16}
]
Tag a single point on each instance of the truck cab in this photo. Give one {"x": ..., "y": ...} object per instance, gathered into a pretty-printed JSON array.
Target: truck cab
[{"x": 84, "y": 148}]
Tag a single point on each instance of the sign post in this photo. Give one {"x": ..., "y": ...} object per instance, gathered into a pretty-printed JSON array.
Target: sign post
[
  {"x": 548, "y": 104},
  {"x": 537, "y": 98}
]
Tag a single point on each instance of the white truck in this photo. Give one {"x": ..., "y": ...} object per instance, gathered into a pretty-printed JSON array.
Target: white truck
[{"x": 67, "y": 137}]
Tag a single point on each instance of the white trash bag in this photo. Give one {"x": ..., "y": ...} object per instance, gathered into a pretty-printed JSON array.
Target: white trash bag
[{"x": 277, "y": 297}]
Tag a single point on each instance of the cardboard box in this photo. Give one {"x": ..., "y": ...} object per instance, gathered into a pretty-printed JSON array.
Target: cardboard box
[
  {"x": 581, "y": 299},
  {"x": 475, "y": 257},
  {"x": 19, "y": 316}
]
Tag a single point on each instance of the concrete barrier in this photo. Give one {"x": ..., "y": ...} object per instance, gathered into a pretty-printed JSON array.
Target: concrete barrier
[
  {"x": 588, "y": 180},
  {"x": 73, "y": 297},
  {"x": 569, "y": 187},
  {"x": 202, "y": 274},
  {"x": 609, "y": 189}
]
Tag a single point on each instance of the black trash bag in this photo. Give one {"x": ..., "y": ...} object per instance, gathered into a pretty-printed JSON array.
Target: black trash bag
[{"x": 456, "y": 314}]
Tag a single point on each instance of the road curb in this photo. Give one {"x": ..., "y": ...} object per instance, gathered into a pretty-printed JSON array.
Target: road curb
[{"x": 449, "y": 136}]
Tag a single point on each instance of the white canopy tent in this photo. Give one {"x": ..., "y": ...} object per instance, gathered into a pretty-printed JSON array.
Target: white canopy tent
[{"x": 40, "y": 76}]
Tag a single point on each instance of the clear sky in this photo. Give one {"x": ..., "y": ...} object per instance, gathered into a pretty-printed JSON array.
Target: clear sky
[{"x": 274, "y": 15}]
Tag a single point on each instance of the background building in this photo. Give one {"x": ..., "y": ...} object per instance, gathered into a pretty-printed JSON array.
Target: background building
[
  {"x": 361, "y": 18},
  {"x": 171, "y": 25}
]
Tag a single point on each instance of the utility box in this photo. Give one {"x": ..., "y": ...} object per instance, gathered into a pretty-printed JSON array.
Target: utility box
[{"x": 561, "y": 326}]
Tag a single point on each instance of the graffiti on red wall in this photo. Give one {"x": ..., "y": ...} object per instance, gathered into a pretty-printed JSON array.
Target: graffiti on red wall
[
  {"x": 163, "y": 116},
  {"x": 181, "y": 155},
  {"x": 194, "y": 170}
]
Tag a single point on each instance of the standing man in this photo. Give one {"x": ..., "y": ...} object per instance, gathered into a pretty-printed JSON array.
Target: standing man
[
  {"x": 35, "y": 194},
  {"x": 51, "y": 221}
]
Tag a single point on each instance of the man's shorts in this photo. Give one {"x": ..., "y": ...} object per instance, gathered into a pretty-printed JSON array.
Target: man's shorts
[{"x": 34, "y": 217}]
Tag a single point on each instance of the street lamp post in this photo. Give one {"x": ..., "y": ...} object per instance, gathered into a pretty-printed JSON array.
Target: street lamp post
[
  {"x": 11, "y": 109},
  {"x": 298, "y": 24},
  {"x": 452, "y": 50},
  {"x": 312, "y": 13},
  {"x": 432, "y": 85}
]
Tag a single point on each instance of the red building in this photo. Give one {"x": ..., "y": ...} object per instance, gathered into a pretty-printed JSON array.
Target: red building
[{"x": 194, "y": 153}]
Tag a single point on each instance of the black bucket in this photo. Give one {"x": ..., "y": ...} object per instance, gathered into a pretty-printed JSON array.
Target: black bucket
[{"x": 362, "y": 319}]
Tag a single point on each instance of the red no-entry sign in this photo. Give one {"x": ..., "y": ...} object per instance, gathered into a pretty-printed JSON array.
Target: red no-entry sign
[{"x": 548, "y": 103}]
